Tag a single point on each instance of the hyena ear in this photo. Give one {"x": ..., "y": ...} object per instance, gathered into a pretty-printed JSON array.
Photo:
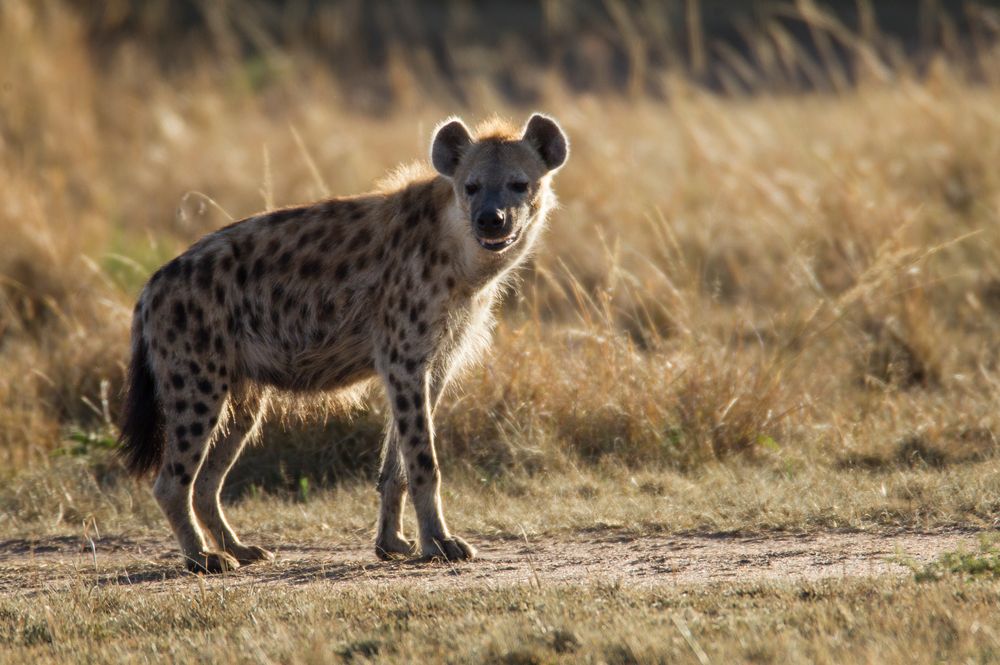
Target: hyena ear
[
  {"x": 450, "y": 142},
  {"x": 544, "y": 134}
]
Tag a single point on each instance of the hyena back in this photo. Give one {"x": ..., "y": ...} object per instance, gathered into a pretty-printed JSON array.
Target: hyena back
[{"x": 395, "y": 284}]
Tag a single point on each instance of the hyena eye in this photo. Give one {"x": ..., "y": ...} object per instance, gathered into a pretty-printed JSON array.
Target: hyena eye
[
  {"x": 471, "y": 188},
  {"x": 519, "y": 186}
]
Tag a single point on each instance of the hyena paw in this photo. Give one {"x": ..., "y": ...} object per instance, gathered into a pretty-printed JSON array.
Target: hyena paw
[
  {"x": 394, "y": 546},
  {"x": 247, "y": 554},
  {"x": 211, "y": 562},
  {"x": 452, "y": 548}
]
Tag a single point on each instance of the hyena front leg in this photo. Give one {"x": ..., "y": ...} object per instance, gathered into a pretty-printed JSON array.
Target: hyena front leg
[
  {"x": 390, "y": 539},
  {"x": 392, "y": 485},
  {"x": 409, "y": 395},
  {"x": 192, "y": 413},
  {"x": 247, "y": 411}
]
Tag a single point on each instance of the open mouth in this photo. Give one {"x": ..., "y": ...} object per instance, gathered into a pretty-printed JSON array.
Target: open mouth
[{"x": 499, "y": 244}]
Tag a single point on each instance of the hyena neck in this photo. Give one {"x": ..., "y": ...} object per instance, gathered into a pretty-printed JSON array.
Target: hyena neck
[{"x": 479, "y": 269}]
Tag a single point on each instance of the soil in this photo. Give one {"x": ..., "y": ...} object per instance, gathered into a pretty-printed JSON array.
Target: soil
[{"x": 31, "y": 567}]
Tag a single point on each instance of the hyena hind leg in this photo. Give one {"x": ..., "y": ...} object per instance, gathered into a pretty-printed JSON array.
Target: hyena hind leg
[
  {"x": 191, "y": 419},
  {"x": 247, "y": 411}
]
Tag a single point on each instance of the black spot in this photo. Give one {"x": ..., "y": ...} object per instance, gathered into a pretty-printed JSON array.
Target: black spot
[
  {"x": 180, "y": 406},
  {"x": 401, "y": 403},
  {"x": 197, "y": 429},
  {"x": 222, "y": 370},
  {"x": 279, "y": 217},
  {"x": 211, "y": 366},
  {"x": 241, "y": 276},
  {"x": 179, "y": 316},
  {"x": 360, "y": 239},
  {"x": 411, "y": 365},
  {"x": 205, "y": 386},
  {"x": 418, "y": 422},
  {"x": 178, "y": 469},
  {"x": 181, "y": 431},
  {"x": 422, "y": 327},
  {"x": 196, "y": 311},
  {"x": 220, "y": 294},
  {"x": 413, "y": 315},
  {"x": 259, "y": 268},
  {"x": 310, "y": 268},
  {"x": 177, "y": 380},
  {"x": 285, "y": 260},
  {"x": 419, "y": 480},
  {"x": 194, "y": 367},
  {"x": 212, "y": 421},
  {"x": 425, "y": 461},
  {"x": 172, "y": 269},
  {"x": 342, "y": 270},
  {"x": 200, "y": 408},
  {"x": 418, "y": 399},
  {"x": 414, "y": 441},
  {"x": 277, "y": 294},
  {"x": 449, "y": 282},
  {"x": 305, "y": 239},
  {"x": 203, "y": 273},
  {"x": 394, "y": 355},
  {"x": 157, "y": 301},
  {"x": 403, "y": 426},
  {"x": 183, "y": 445},
  {"x": 201, "y": 339},
  {"x": 219, "y": 348},
  {"x": 185, "y": 480},
  {"x": 226, "y": 263},
  {"x": 397, "y": 235}
]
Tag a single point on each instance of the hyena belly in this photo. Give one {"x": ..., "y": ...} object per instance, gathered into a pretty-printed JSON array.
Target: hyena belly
[{"x": 310, "y": 339}]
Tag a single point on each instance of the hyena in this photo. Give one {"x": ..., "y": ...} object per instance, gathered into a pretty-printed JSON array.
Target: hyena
[{"x": 397, "y": 285}]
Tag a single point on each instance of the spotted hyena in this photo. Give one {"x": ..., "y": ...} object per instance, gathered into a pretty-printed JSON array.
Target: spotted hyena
[{"x": 397, "y": 284}]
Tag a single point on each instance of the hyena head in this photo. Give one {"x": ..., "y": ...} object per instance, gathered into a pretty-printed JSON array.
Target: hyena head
[{"x": 501, "y": 179}]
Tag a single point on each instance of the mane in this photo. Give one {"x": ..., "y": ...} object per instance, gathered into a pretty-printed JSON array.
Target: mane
[
  {"x": 403, "y": 175},
  {"x": 496, "y": 128}
]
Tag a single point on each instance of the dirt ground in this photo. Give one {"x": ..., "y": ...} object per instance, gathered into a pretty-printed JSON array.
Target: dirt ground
[{"x": 49, "y": 564}]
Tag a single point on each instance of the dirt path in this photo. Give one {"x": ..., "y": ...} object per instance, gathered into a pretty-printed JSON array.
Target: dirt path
[{"x": 30, "y": 567}]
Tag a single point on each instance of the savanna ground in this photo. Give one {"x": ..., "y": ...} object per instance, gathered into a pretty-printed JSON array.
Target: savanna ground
[{"x": 741, "y": 407}]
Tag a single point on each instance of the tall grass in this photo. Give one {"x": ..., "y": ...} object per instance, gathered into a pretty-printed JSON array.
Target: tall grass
[{"x": 728, "y": 273}]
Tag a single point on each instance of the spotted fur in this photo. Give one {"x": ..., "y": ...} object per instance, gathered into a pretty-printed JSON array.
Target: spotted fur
[{"x": 396, "y": 285}]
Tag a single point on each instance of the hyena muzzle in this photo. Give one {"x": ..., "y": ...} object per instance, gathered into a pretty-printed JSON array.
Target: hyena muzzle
[{"x": 397, "y": 284}]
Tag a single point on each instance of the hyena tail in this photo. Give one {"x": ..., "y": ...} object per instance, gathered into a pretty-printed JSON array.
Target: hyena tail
[{"x": 141, "y": 442}]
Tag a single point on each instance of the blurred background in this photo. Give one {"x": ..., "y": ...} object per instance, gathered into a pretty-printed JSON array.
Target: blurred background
[{"x": 777, "y": 243}]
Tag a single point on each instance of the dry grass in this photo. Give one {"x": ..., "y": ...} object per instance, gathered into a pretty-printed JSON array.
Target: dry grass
[
  {"x": 824, "y": 622},
  {"x": 764, "y": 312}
]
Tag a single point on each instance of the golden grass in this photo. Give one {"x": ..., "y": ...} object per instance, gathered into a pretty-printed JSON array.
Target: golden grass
[
  {"x": 751, "y": 313},
  {"x": 814, "y": 274},
  {"x": 820, "y": 622}
]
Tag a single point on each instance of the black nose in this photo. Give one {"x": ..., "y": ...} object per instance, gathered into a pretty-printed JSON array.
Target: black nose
[{"x": 490, "y": 222}]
